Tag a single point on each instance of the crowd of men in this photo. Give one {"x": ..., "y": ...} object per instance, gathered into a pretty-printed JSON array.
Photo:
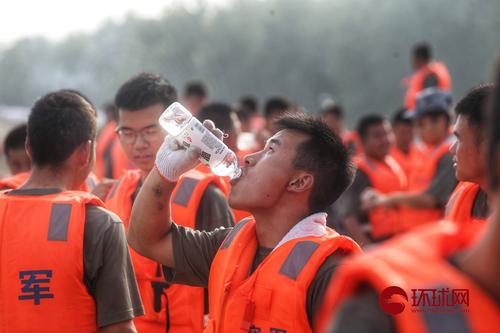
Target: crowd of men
[{"x": 392, "y": 227}]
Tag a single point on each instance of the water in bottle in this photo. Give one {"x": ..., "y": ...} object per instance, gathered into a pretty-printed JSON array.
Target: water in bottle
[{"x": 188, "y": 130}]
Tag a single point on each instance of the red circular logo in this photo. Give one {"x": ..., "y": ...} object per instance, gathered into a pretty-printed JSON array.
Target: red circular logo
[{"x": 389, "y": 306}]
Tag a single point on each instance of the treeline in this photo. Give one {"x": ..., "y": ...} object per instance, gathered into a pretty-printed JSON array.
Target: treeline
[{"x": 355, "y": 50}]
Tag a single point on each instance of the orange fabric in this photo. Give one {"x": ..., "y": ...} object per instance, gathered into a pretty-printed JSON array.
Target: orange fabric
[
  {"x": 423, "y": 169},
  {"x": 417, "y": 260},
  {"x": 386, "y": 177},
  {"x": 273, "y": 296},
  {"x": 25, "y": 226},
  {"x": 13, "y": 182},
  {"x": 406, "y": 161},
  {"x": 225, "y": 186},
  {"x": 110, "y": 152},
  {"x": 352, "y": 142},
  {"x": 416, "y": 84},
  {"x": 185, "y": 303},
  {"x": 459, "y": 207}
]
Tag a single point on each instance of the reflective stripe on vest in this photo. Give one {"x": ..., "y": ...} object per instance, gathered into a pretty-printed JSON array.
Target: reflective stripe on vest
[
  {"x": 298, "y": 258},
  {"x": 185, "y": 191},
  {"x": 232, "y": 234},
  {"x": 59, "y": 221}
]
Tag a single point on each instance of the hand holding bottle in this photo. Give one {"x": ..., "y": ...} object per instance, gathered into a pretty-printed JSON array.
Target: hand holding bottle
[
  {"x": 203, "y": 141},
  {"x": 173, "y": 158}
]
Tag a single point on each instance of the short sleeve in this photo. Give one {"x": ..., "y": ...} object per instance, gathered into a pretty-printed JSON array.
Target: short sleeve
[
  {"x": 109, "y": 274},
  {"x": 213, "y": 211},
  {"x": 443, "y": 181},
  {"x": 194, "y": 251}
]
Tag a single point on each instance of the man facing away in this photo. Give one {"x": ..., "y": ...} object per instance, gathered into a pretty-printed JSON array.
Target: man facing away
[
  {"x": 65, "y": 265},
  {"x": 267, "y": 273},
  {"x": 198, "y": 202}
]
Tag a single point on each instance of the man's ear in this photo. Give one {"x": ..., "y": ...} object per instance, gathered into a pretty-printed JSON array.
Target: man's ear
[
  {"x": 27, "y": 148},
  {"x": 84, "y": 153},
  {"x": 301, "y": 182}
]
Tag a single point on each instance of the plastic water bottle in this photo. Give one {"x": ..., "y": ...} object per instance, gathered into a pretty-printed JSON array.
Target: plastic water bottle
[{"x": 188, "y": 130}]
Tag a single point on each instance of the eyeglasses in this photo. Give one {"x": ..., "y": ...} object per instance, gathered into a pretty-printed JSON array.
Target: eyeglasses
[{"x": 150, "y": 134}]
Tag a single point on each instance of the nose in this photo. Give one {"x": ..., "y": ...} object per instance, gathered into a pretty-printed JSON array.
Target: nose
[
  {"x": 140, "y": 142},
  {"x": 251, "y": 159},
  {"x": 453, "y": 148}
]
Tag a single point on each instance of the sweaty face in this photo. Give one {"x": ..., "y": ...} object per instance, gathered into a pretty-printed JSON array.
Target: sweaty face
[
  {"x": 266, "y": 173},
  {"x": 378, "y": 140},
  {"x": 431, "y": 130},
  {"x": 141, "y": 135},
  {"x": 468, "y": 152},
  {"x": 18, "y": 161}
]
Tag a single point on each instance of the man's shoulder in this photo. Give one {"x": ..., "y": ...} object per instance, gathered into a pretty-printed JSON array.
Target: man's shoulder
[{"x": 99, "y": 219}]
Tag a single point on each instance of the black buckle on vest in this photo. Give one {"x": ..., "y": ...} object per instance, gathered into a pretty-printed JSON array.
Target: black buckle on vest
[{"x": 159, "y": 288}]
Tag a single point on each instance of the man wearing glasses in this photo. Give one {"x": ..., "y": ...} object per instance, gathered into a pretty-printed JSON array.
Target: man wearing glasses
[{"x": 197, "y": 202}]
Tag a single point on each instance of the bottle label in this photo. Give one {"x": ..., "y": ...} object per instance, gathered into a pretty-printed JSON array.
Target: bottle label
[{"x": 213, "y": 150}]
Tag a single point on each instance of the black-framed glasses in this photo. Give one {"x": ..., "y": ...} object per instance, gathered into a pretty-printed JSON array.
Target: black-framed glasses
[{"x": 151, "y": 133}]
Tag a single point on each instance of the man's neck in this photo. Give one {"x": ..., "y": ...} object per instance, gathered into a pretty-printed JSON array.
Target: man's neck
[
  {"x": 273, "y": 224},
  {"x": 405, "y": 149},
  {"x": 50, "y": 178}
]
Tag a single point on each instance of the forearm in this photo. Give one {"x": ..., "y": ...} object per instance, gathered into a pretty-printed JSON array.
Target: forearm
[
  {"x": 150, "y": 220},
  {"x": 414, "y": 200}
]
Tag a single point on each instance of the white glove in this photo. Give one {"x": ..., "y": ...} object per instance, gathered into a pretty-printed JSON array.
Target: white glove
[{"x": 172, "y": 160}]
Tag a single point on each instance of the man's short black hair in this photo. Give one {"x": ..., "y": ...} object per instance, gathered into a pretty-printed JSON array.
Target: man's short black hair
[
  {"x": 196, "y": 88},
  {"x": 471, "y": 105},
  {"x": 324, "y": 155},
  {"x": 334, "y": 109},
  {"x": 144, "y": 90},
  {"x": 366, "y": 122},
  {"x": 493, "y": 113},
  {"x": 249, "y": 103},
  {"x": 401, "y": 117},
  {"x": 58, "y": 124},
  {"x": 423, "y": 51},
  {"x": 15, "y": 139},
  {"x": 275, "y": 104},
  {"x": 219, "y": 113}
]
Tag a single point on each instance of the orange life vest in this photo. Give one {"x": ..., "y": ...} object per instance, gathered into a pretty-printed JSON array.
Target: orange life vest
[
  {"x": 406, "y": 161},
  {"x": 111, "y": 160},
  {"x": 238, "y": 214},
  {"x": 14, "y": 181},
  {"x": 273, "y": 297},
  {"x": 417, "y": 260},
  {"x": 416, "y": 84},
  {"x": 420, "y": 178},
  {"x": 461, "y": 203},
  {"x": 41, "y": 264},
  {"x": 185, "y": 309},
  {"x": 385, "y": 177}
]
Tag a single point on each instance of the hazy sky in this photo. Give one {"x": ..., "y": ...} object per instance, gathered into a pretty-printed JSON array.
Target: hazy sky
[{"x": 56, "y": 18}]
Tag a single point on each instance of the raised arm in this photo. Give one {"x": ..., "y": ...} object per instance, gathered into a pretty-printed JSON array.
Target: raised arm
[{"x": 150, "y": 222}]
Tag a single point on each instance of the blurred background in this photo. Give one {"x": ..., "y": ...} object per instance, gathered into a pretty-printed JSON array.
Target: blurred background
[{"x": 354, "y": 51}]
